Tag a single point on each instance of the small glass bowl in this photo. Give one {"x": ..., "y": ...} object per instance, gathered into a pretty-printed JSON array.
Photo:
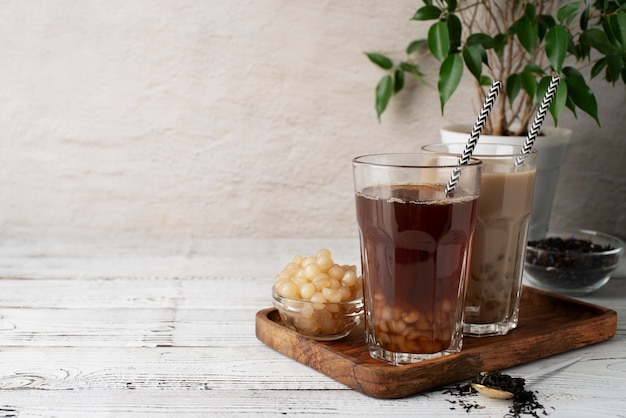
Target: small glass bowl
[
  {"x": 319, "y": 321},
  {"x": 570, "y": 272}
]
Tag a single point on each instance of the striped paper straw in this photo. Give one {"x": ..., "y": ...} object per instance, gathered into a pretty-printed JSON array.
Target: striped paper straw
[
  {"x": 541, "y": 114},
  {"x": 473, "y": 139}
]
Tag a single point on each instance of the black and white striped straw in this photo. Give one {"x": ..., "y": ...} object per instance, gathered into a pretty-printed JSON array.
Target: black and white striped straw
[
  {"x": 473, "y": 139},
  {"x": 541, "y": 114}
]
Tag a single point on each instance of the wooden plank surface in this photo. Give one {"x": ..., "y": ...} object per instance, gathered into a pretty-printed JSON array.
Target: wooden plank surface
[
  {"x": 549, "y": 323},
  {"x": 93, "y": 330}
]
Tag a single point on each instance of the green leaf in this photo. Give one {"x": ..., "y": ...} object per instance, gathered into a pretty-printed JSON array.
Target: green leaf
[
  {"x": 384, "y": 90},
  {"x": 584, "y": 18},
  {"x": 451, "y": 5},
  {"x": 529, "y": 83},
  {"x": 614, "y": 64},
  {"x": 450, "y": 75},
  {"x": 499, "y": 42},
  {"x": 572, "y": 73},
  {"x": 483, "y": 42},
  {"x": 427, "y": 13},
  {"x": 439, "y": 40},
  {"x": 415, "y": 46},
  {"x": 480, "y": 39},
  {"x": 597, "y": 39},
  {"x": 580, "y": 51},
  {"x": 534, "y": 68},
  {"x": 412, "y": 68},
  {"x": 380, "y": 60},
  {"x": 530, "y": 11},
  {"x": 618, "y": 25},
  {"x": 527, "y": 32},
  {"x": 544, "y": 22},
  {"x": 485, "y": 80},
  {"x": 558, "y": 103},
  {"x": 473, "y": 57},
  {"x": 566, "y": 13},
  {"x": 556, "y": 47},
  {"x": 608, "y": 31},
  {"x": 542, "y": 87},
  {"x": 398, "y": 80},
  {"x": 454, "y": 31},
  {"x": 598, "y": 67},
  {"x": 513, "y": 87},
  {"x": 560, "y": 100},
  {"x": 580, "y": 94},
  {"x": 405, "y": 66},
  {"x": 571, "y": 106}
]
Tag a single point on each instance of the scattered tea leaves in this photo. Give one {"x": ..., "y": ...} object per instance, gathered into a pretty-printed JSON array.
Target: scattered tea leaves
[{"x": 524, "y": 402}]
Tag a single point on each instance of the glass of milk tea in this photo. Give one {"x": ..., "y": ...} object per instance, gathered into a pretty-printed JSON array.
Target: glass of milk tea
[{"x": 499, "y": 244}]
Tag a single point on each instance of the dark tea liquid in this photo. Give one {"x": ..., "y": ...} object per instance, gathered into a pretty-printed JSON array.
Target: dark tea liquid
[{"x": 414, "y": 250}]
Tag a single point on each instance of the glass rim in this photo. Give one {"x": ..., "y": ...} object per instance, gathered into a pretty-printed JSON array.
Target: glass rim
[
  {"x": 479, "y": 155},
  {"x": 361, "y": 160}
]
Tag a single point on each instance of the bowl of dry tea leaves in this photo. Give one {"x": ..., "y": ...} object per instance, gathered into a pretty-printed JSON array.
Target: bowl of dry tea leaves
[{"x": 572, "y": 263}]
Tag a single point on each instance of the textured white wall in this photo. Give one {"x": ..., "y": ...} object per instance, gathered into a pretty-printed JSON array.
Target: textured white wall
[{"x": 169, "y": 119}]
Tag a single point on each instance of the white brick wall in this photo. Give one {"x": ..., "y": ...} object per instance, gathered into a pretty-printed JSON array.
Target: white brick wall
[{"x": 168, "y": 119}]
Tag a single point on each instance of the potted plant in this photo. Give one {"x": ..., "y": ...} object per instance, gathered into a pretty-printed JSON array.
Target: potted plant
[{"x": 522, "y": 44}]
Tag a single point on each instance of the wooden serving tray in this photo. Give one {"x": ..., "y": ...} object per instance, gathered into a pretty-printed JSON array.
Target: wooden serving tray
[{"x": 549, "y": 324}]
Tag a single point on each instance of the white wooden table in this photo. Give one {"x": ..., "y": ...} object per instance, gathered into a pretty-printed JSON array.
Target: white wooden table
[{"x": 95, "y": 329}]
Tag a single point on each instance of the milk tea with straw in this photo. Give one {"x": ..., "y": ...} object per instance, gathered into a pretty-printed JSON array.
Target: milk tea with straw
[
  {"x": 507, "y": 184},
  {"x": 499, "y": 244}
]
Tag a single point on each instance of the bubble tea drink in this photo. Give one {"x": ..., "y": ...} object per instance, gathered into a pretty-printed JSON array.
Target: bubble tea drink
[
  {"x": 415, "y": 245},
  {"x": 499, "y": 246}
]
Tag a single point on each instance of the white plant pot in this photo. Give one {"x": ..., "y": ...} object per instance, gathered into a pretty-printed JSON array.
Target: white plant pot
[{"x": 551, "y": 146}]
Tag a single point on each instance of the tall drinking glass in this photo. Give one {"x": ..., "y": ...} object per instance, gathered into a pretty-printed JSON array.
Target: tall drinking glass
[
  {"x": 506, "y": 195},
  {"x": 415, "y": 250}
]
